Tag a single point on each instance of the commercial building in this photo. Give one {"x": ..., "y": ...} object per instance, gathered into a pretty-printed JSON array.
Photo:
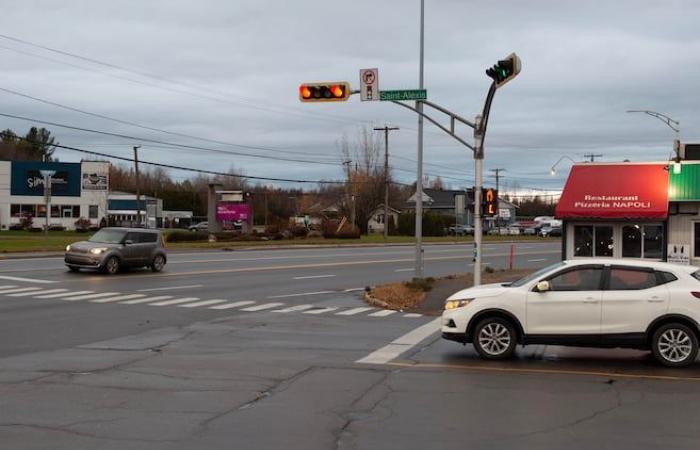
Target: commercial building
[
  {"x": 78, "y": 190},
  {"x": 632, "y": 210},
  {"x": 123, "y": 210}
]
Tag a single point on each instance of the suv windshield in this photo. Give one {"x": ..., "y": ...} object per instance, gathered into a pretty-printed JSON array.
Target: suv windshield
[
  {"x": 527, "y": 278},
  {"x": 108, "y": 236}
]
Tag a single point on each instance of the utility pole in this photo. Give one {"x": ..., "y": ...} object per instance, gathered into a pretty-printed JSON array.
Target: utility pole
[
  {"x": 350, "y": 197},
  {"x": 419, "y": 159},
  {"x": 497, "y": 174},
  {"x": 592, "y": 156},
  {"x": 386, "y": 130},
  {"x": 266, "y": 209},
  {"x": 138, "y": 185}
]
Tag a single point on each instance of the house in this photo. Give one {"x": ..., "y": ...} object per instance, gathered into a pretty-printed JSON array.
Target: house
[{"x": 375, "y": 223}]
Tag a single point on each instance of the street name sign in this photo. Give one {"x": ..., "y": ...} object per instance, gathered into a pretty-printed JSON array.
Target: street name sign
[
  {"x": 406, "y": 94},
  {"x": 369, "y": 84}
]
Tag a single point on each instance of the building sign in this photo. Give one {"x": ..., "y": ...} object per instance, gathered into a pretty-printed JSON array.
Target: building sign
[
  {"x": 95, "y": 181},
  {"x": 679, "y": 254},
  {"x": 26, "y": 178},
  {"x": 615, "y": 191},
  {"x": 504, "y": 213},
  {"x": 232, "y": 212}
]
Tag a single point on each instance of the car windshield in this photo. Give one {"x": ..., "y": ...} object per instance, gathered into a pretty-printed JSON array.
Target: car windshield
[
  {"x": 108, "y": 236},
  {"x": 696, "y": 275},
  {"x": 526, "y": 279}
]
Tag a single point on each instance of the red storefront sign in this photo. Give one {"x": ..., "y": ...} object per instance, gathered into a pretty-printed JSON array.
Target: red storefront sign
[{"x": 615, "y": 191}]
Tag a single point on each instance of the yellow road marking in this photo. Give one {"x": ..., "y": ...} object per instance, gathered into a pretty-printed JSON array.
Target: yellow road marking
[{"x": 543, "y": 371}]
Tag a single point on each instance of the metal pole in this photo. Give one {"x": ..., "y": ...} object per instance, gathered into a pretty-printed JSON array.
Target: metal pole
[
  {"x": 478, "y": 167},
  {"x": 138, "y": 185},
  {"x": 47, "y": 190},
  {"x": 419, "y": 168}
]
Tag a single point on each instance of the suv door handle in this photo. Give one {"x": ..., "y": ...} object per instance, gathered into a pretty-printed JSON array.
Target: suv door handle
[
  {"x": 590, "y": 300},
  {"x": 655, "y": 300}
]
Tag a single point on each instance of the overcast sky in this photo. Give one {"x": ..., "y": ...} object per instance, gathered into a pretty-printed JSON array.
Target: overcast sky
[{"x": 230, "y": 70}]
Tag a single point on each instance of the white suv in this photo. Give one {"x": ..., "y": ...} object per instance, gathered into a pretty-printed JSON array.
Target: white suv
[{"x": 584, "y": 303}]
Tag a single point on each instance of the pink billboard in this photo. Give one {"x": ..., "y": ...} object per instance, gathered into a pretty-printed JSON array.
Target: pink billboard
[{"x": 231, "y": 212}]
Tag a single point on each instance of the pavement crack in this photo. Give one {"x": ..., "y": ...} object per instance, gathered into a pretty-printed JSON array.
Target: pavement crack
[{"x": 66, "y": 429}]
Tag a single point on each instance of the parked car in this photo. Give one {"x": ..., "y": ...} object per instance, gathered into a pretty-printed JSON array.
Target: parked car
[
  {"x": 592, "y": 303},
  {"x": 529, "y": 231},
  {"x": 112, "y": 249},
  {"x": 201, "y": 226},
  {"x": 493, "y": 232},
  {"x": 514, "y": 231},
  {"x": 550, "y": 231},
  {"x": 555, "y": 232},
  {"x": 460, "y": 230}
]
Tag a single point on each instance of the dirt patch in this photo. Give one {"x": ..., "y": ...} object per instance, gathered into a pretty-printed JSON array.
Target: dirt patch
[{"x": 401, "y": 296}]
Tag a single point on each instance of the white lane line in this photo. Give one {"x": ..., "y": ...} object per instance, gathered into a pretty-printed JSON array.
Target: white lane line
[
  {"x": 402, "y": 344},
  {"x": 91, "y": 296},
  {"x": 232, "y": 305},
  {"x": 353, "y": 289},
  {"x": 25, "y": 289},
  {"x": 537, "y": 260},
  {"x": 412, "y": 315},
  {"x": 322, "y": 310},
  {"x": 404, "y": 270},
  {"x": 8, "y": 286},
  {"x": 171, "y": 288},
  {"x": 294, "y": 308},
  {"x": 117, "y": 298},
  {"x": 262, "y": 307},
  {"x": 176, "y": 301},
  {"x": 302, "y": 294},
  {"x": 352, "y": 312},
  {"x": 312, "y": 276},
  {"x": 146, "y": 300},
  {"x": 383, "y": 313},
  {"x": 27, "y": 294},
  {"x": 202, "y": 303},
  {"x": 64, "y": 294},
  {"x": 26, "y": 280}
]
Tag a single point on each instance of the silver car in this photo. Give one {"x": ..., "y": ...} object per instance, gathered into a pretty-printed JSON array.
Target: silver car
[{"x": 112, "y": 249}]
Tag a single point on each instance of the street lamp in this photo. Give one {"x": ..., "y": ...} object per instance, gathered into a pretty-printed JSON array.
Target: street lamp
[
  {"x": 672, "y": 124},
  {"x": 47, "y": 174},
  {"x": 552, "y": 171}
]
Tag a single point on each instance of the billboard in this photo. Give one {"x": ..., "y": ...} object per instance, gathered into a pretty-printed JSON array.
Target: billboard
[
  {"x": 26, "y": 178},
  {"x": 96, "y": 180},
  {"x": 231, "y": 212}
]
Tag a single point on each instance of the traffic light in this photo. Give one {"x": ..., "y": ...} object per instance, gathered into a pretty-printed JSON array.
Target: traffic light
[
  {"x": 332, "y": 91},
  {"x": 505, "y": 70},
  {"x": 489, "y": 202}
]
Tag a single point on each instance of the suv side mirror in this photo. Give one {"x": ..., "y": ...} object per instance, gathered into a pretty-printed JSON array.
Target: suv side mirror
[
  {"x": 128, "y": 242},
  {"x": 542, "y": 286}
]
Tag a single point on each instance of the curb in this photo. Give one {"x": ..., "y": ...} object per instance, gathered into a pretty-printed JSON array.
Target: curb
[{"x": 373, "y": 301}]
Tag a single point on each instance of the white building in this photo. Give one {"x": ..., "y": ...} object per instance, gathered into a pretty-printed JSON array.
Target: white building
[{"x": 79, "y": 190}]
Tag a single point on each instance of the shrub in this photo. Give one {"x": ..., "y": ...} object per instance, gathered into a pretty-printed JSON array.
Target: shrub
[
  {"x": 16, "y": 227},
  {"x": 348, "y": 232},
  {"x": 489, "y": 269},
  {"x": 298, "y": 231},
  {"x": 420, "y": 284},
  {"x": 186, "y": 236},
  {"x": 56, "y": 227},
  {"x": 82, "y": 224},
  {"x": 27, "y": 222},
  {"x": 314, "y": 234}
]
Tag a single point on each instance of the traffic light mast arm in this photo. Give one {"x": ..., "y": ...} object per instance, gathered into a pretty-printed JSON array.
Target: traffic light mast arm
[{"x": 453, "y": 118}]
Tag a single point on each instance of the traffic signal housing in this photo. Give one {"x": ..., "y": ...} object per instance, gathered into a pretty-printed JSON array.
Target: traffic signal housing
[
  {"x": 332, "y": 91},
  {"x": 505, "y": 70}
]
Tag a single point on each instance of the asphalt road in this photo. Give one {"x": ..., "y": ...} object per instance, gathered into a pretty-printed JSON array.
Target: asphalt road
[{"x": 275, "y": 349}]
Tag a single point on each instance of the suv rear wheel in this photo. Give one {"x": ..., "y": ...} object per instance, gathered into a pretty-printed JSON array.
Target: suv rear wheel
[
  {"x": 158, "y": 263},
  {"x": 675, "y": 345},
  {"x": 495, "y": 338}
]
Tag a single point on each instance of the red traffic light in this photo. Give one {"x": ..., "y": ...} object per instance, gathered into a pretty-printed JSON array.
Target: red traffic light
[{"x": 336, "y": 91}]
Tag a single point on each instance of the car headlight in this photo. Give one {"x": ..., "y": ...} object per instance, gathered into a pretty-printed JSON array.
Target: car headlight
[
  {"x": 67, "y": 248},
  {"x": 97, "y": 251},
  {"x": 453, "y": 304}
]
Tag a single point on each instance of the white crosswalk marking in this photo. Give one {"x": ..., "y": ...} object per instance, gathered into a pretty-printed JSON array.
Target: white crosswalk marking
[
  {"x": 202, "y": 303},
  {"x": 232, "y": 305},
  {"x": 174, "y": 301},
  {"x": 64, "y": 294},
  {"x": 117, "y": 298},
  {"x": 263, "y": 306},
  {"x": 33, "y": 293},
  {"x": 413, "y": 315},
  {"x": 26, "y": 289},
  {"x": 7, "y": 286},
  {"x": 383, "y": 313},
  {"x": 146, "y": 300},
  {"x": 321, "y": 310},
  {"x": 294, "y": 308},
  {"x": 90, "y": 296},
  {"x": 352, "y": 312}
]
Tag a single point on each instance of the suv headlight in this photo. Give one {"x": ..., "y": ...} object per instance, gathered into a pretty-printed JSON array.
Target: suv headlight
[
  {"x": 453, "y": 304},
  {"x": 97, "y": 251},
  {"x": 67, "y": 248}
]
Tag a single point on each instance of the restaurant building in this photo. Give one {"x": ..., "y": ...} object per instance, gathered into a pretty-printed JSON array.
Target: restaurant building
[{"x": 632, "y": 210}]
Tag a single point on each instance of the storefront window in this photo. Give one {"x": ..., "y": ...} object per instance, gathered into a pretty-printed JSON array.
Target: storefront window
[
  {"x": 14, "y": 210},
  {"x": 55, "y": 211},
  {"x": 653, "y": 241},
  {"x": 583, "y": 240},
  {"x": 631, "y": 241},
  {"x": 604, "y": 241}
]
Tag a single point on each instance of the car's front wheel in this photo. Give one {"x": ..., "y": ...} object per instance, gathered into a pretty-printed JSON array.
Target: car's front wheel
[
  {"x": 675, "y": 345},
  {"x": 495, "y": 338},
  {"x": 111, "y": 266}
]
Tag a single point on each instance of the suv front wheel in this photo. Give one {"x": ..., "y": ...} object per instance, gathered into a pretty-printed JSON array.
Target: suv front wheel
[
  {"x": 675, "y": 345},
  {"x": 495, "y": 338}
]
